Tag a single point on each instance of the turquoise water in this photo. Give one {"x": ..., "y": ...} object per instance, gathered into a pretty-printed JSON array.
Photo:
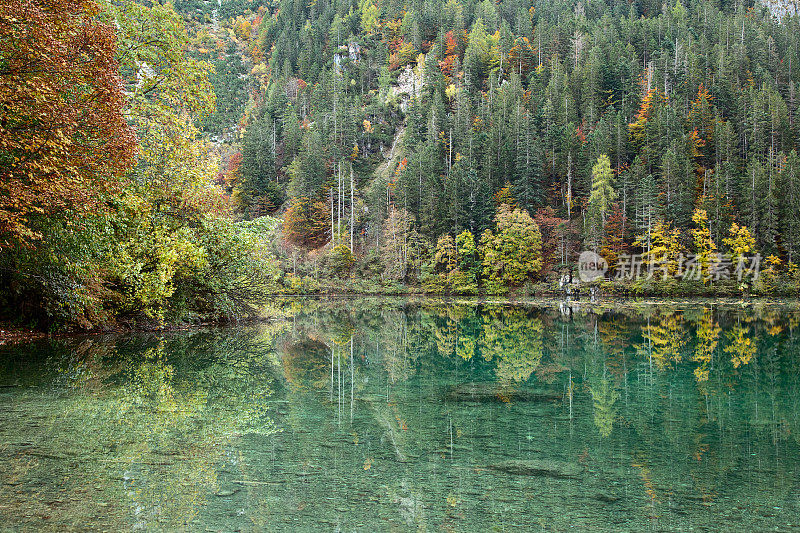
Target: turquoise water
[{"x": 396, "y": 415}]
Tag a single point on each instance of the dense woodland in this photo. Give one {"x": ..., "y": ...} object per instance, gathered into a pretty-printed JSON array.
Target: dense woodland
[{"x": 182, "y": 162}]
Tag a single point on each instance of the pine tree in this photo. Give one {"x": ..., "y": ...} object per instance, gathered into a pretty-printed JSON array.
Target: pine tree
[
  {"x": 790, "y": 221},
  {"x": 257, "y": 187},
  {"x": 600, "y": 199}
]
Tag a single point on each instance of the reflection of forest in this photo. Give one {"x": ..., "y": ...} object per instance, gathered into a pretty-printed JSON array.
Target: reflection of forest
[
  {"x": 131, "y": 431},
  {"x": 658, "y": 405},
  {"x": 373, "y": 415}
]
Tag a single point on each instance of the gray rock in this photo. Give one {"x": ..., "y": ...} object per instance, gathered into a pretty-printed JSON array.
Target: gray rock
[
  {"x": 496, "y": 392},
  {"x": 540, "y": 468}
]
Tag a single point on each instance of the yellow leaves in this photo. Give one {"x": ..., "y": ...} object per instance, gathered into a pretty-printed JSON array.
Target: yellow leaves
[
  {"x": 774, "y": 261},
  {"x": 695, "y": 143},
  {"x": 369, "y": 16},
  {"x": 704, "y": 244},
  {"x": 445, "y": 256},
  {"x": 516, "y": 343},
  {"x": 707, "y": 339},
  {"x": 741, "y": 347},
  {"x": 638, "y": 128},
  {"x": 665, "y": 248},
  {"x": 504, "y": 197},
  {"x": 63, "y": 98},
  {"x": 665, "y": 339},
  {"x": 740, "y": 242},
  {"x": 604, "y": 397}
]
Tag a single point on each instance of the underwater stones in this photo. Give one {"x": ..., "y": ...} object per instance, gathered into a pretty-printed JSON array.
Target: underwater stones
[
  {"x": 488, "y": 391},
  {"x": 540, "y": 468},
  {"x": 605, "y": 498}
]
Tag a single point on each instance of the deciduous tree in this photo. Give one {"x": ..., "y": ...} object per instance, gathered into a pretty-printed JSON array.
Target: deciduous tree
[{"x": 63, "y": 138}]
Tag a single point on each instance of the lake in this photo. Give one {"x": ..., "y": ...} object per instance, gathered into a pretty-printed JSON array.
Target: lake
[{"x": 398, "y": 415}]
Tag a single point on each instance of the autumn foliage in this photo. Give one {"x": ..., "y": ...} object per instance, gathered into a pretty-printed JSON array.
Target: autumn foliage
[
  {"x": 62, "y": 132},
  {"x": 307, "y": 222}
]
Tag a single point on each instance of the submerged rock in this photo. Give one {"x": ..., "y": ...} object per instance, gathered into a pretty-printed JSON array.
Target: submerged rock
[
  {"x": 605, "y": 498},
  {"x": 488, "y": 391},
  {"x": 541, "y": 468}
]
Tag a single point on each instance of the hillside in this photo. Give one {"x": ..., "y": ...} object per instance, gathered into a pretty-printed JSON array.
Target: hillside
[
  {"x": 166, "y": 166},
  {"x": 694, "y": 104}
]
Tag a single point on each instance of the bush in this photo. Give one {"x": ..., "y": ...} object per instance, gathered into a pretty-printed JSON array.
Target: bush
[
  {"x": 462, "y": 283},
  {"x": 341, "y": 259},
  {"x": 241, "y": 270}
]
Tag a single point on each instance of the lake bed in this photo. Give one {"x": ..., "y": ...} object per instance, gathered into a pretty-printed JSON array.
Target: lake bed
[{"x": 376, "y": 414}]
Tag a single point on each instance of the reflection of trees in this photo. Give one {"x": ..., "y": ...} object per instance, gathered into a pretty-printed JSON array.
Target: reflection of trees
[
  {"x": 456, "y": 330},
  {"x": 306, "y": 364},
  {"x": 446, "y": 336},
  {"x": 741, "y": 347},
  {"x": 604, "y": 398},
  {"x": 707, "y": 339},
  {"x": 663, "y": 339},
  {"x": 513, "y": 339},
  {"x": 669, "y": 429},
  {"x": 151, "y": 432},
  {"x": 615, "y": 335},
  {"x": 153, "y": 421}
]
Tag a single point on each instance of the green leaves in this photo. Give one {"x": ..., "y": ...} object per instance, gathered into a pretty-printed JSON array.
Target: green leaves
[
  {"x": 513, "y": 253},
  {"x": 63, "y": 139}
]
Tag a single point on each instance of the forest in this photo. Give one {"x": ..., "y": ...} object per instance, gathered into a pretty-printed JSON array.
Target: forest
[{"x": 176, "y": 163}]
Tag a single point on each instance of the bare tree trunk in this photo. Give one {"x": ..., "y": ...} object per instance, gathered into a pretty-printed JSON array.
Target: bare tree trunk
[
  {"x": 352, "y": 208},
  {"x": 333, "y": 233},
  {"x": 569, "y": 186}
]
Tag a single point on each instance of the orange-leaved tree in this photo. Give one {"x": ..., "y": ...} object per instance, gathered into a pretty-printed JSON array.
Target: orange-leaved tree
[
  {"x": 306, "y": 222},
  {"x": 62, "y": 132}
]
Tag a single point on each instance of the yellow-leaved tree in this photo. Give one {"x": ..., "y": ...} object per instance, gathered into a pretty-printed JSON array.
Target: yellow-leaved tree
[
  {"x": 663, "y": 256},
  {"x": 739, "y": 242},
  {"x": 600, "y": 199},
  {"x": 705, "y": 247},
  {"x": 512, "y": 254}
]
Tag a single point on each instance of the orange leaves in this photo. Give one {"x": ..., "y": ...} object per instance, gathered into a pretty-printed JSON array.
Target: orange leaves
[
  {"x": 702, "y": 120},
  {"x": 504, "y": 197},
  {"x": 232, "y": 172},
  {"x": 451, "y": 44},
  {"x": 391, "y": 28},
  {"x": 306, "y": 222},
  {"x": 402, "y": 166},
  {"x": 638, "y": 127},
  {"x": 644, "y": 110},
  {"x": 580, "y": 134},
  {"x": 63, "y": 133},
  {"x": 453, "y": 48},
  {"x": 446, "y": 65},
  {"x": 695, "y": 144}
]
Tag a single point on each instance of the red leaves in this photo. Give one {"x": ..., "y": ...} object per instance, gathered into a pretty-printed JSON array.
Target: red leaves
[{"x": 62, "y": 133}]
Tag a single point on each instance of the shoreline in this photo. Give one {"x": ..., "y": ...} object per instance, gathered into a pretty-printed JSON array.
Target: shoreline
[{"x": 11, "y": 334}]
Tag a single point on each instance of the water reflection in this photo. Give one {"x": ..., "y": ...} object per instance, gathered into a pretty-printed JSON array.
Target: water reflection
[{"x": 374, "y": 415}]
